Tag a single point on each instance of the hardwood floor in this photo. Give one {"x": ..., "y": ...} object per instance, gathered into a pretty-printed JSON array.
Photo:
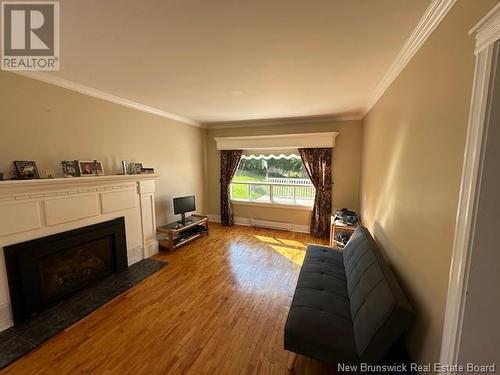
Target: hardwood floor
[{"x": 219, "y": 307}]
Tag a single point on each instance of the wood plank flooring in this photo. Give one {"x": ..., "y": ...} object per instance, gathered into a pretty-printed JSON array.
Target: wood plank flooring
[{"x": 219, "y": 307}]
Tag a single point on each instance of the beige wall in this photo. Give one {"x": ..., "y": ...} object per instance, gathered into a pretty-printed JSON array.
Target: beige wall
[
  {"x": 412, "y": 156},
  {"x": 346, "y": 168},
  {"x": 48, "y": 124}
]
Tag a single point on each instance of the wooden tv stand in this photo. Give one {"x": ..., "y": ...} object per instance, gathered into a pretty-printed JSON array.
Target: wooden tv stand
[{"x": 175, "y": 235}]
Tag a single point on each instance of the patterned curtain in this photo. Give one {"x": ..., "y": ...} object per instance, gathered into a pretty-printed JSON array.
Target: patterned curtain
[
  {"x": 318, "y": 164},
  {"x": 229, "y": 160}
]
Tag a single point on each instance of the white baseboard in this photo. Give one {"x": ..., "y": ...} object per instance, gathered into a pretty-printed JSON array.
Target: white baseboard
[
  {"x": 301, "y": 228},
  {"x": 250, "y": 222},
  {"x": 237, "y": 220}
]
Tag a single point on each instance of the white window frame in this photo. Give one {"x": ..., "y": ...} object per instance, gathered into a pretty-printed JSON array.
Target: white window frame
[{"x": 273, "y": 185}]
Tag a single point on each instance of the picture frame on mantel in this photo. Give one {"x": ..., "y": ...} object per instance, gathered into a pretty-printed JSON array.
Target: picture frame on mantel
[
  {"x": 70, "y": 168},
  {"x": 26, "y": 170},
  {"x": 135, "y": 168},
  {"x": 90, "y": 168}
]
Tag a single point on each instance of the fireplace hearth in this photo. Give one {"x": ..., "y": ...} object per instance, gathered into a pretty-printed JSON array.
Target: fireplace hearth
[{"x": 45, "y": 271}]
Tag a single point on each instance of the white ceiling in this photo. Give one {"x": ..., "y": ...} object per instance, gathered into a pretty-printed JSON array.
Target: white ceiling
[{"x": 225, "y": 60}]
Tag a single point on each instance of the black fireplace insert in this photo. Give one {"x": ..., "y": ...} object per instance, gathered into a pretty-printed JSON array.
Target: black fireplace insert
[{"x": 44, "y": 271}]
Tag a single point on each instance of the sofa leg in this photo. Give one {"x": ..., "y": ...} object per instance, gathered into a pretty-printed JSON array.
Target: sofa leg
[{"x": 292, "y": 357}]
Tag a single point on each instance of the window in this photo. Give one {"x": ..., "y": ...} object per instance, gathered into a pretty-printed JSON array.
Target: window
[{"x": 271, "y": 179}]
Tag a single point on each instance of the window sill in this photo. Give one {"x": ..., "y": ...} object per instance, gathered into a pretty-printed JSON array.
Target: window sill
[{"x": 272, "y": 205}]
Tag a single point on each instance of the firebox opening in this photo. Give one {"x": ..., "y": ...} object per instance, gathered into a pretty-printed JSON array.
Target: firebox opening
[
  {"x": 42, "y": 272},
  {"x": 70, "y": 270}
]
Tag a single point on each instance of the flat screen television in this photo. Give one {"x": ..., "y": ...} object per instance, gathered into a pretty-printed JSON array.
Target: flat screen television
[{"x": 183, "y": 205}]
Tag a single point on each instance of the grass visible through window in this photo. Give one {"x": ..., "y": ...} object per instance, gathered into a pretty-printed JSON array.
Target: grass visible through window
[{"x": 272, "y": 179}]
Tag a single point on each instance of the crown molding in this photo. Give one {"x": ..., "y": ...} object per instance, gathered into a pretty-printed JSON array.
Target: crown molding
[
  {"x": 61, "y": 82},
  {"x": 282, "y": 121},
  {"x": 487, "y": 30},
  {"x": 434, "y": 14}
]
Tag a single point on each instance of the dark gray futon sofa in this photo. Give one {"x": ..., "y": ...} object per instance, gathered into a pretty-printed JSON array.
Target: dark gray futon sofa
[{"x": 347, "y": 307}]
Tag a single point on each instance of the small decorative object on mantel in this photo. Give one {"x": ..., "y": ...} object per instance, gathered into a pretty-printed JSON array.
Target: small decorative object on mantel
[
  {"x": 70, "y": 168},
  {"x": 26, "y": 170},
  {"x": 147, "y": 170},
  {"x": 124, "y": 167},
  {"x": 135, "y": 168},
  {"x": 49, "y": 173},
  {"x": 90, "y": 168}
]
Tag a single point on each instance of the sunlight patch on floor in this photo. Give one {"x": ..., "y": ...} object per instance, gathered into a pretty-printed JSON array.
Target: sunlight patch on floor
[
  {"x": 292, "y": 243},
  {"x": 295, "y": 255},
  {"x": 290, "y": 249},
  {"x": 268, "y": 239}
]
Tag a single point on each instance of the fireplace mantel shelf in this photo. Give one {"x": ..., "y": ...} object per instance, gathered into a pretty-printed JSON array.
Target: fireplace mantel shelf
[
  {"x": 10, "y": 189},
  {"x": 41, "y": 182}
]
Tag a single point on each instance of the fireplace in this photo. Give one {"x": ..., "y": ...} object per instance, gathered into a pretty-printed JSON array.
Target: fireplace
[{"x": 44, "y": 271}]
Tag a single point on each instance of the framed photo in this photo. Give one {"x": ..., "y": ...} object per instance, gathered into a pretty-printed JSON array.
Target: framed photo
[
  {"x": 90, "y": 168},
  {"x": 135, "y": 168},
  {"x": 147, "y": 170},
  {"x": 26, "y": 170},
  {"x": 70, "y": 168}
]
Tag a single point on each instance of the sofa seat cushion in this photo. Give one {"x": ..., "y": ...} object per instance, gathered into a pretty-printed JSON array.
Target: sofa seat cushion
[
  {"x": 325, "y": 262},
  {"x": 323, "y": 282},
  {"x": 323, "y": 301},
  {"x": 320, "y": 334},
  {"x": 319, "y": 323},
  {"x": 317, "y": 254}
]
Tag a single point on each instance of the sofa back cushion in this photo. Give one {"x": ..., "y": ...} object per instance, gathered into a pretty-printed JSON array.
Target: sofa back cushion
[{"x": 380, "y": 311}]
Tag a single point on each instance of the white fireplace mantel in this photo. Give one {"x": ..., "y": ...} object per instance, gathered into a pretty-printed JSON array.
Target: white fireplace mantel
[{"x": 31, "y": 209}]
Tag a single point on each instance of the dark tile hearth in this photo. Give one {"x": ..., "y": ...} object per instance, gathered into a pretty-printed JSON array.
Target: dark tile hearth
[
  {"x": 22, "y": 338},
  {"x": 45, "y": 325},
  {"x": 12, "y": 346}
]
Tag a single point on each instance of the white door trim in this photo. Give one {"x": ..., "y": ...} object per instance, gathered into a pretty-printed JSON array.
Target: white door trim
[{"x": 487, "y": 33}]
